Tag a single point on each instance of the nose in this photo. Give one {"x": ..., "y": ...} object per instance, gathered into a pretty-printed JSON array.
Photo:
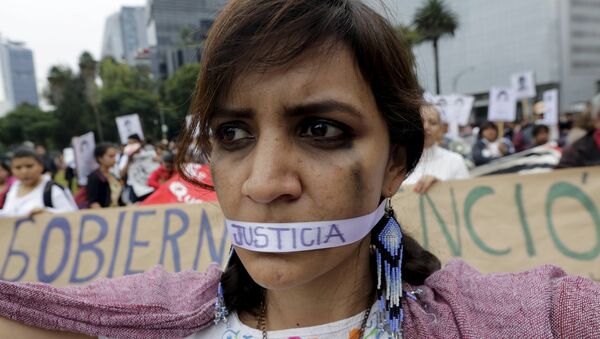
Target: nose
[{"x": 274, "y": 174}]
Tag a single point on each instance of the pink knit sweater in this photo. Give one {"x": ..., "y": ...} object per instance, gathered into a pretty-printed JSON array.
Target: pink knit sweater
[{"x": 456, "y": 302}]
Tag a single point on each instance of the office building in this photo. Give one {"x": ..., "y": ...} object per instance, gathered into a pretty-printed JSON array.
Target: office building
[
  {"x": 17, "y": 76},
  {"x": 557, "y": 39},
  {"x": 125, "y": 35},
  {"x": 176, "y": 29}
]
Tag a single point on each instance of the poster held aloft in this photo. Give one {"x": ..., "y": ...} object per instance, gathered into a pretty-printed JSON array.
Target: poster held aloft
[
  {"x": 551, "y": 107},
  {"x": 502, "y": 106},
  {"x": 441, "y": 102},
  {"x": 523, "y": 84},
  {"x": 84, "y": 156},
  {"x": 128, "y": 125},
  {"x": 461, "y": 108}
]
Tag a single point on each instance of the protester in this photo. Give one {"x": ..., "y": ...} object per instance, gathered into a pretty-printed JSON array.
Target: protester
[
  {"x": 136, "y": 165},
  {"x": 163, "y": 173},
  {"x": 6, "y": 179},
  {"x": 437, "y": 163},
  {"x": 103, "y": 189},
  {"x": 586, "y": 150},
  {"x": 488, "y": 146},
  {"x": 316, "y": 125},
  {"x": 34, "y": 192},
  {"x": 582, "y": 125},
  {"x": 49, "y": 165},
  {"x": 541, "y": 135}
]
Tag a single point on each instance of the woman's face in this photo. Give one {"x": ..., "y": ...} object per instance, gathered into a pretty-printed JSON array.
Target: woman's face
[
  {"x": 302, "y": 143},
  {"x": 490, "y": 134},
  {"x": 431, "y": 125},
  {"x": 27, "y": 169},
  {"x": 109, "y": 158}
]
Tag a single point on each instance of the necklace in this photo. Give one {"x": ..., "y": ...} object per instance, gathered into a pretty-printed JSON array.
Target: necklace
[{"x": 262, "y": 323}]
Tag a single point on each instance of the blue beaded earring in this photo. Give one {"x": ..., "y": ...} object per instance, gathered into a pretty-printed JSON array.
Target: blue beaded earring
[
  {"x": 386, "y": 240},
  {"x": 221, "y": 311}
]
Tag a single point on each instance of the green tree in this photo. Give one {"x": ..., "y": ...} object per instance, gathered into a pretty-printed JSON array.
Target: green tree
[
  {"x": 179, "y": 88},
  {"x": 434, "y": 20},
  {"x": 178, "y": 92},
  {"x": 87, "y": 71},
  {"x": 128, "y": 90},
  {"x": 58, "y": 77},
  {"x": 117, "y": 101},
  {"x": 74, "y": 112},
  {"x": 28, "y": 122},
  {"x": 410, "y": 35}
]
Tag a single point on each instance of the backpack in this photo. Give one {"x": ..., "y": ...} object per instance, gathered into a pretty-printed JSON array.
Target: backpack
[{"x": 48, "y": 193}]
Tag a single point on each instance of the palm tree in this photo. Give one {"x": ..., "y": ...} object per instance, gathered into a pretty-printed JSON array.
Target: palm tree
[
  {"x": 88, "y": 68},
  {"x": 433, "y": 21},
  {"x": 58, "y": 76},
  {"x": 409, "y": 35}
]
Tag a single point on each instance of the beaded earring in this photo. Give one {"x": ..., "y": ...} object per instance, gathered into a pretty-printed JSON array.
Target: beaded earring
[
  {"x": 386, "y": 240},
  {"x": 221, "y": 311}
]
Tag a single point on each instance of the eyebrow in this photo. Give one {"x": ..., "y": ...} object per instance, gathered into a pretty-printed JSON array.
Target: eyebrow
[
  {"x": 321, "y": 107},
  {"x": 318, "y": 107}
]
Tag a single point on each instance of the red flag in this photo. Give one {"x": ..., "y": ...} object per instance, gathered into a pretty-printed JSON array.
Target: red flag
[{"x": 177, "y": 190}]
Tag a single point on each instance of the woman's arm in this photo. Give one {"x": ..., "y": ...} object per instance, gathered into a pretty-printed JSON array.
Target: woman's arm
[{"x": 13, "y": 329}]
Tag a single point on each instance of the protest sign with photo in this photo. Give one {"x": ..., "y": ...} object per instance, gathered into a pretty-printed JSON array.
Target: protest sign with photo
[
  {"x": 128, "y": 125},
  {"x": 502, "y": 105},
  {"x": 140, "y": 168},
  {"x": 551, "y": 107},
  {"x": 523, "y": 84},
  {"x": 442, "y": 103},
  {"x": 84, "y": 156},
  {"x": 503, "y": 223},
  {"x": 461, "y": 108},
  {"x": 69, "y": 157}
]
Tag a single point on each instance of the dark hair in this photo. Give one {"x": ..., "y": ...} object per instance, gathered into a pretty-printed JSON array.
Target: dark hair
[
  {"x": 484, "y": 126},
  {"x": 135, "y": 137},
  {"x": 101, "y": 149},
  {"x": 540, "y": 128},
  {"x": 168, "y": 157},
  {"x": 5, "y": 163},
  {"x": 265, "y": 34},
  {"x": 27, "y": 153}
]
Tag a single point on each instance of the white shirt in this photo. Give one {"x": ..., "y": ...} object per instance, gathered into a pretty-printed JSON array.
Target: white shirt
[
  {"x": 341, "y": 329},
  {"x": 20, "y": 206},
  {"x": 440, "y": 163}
]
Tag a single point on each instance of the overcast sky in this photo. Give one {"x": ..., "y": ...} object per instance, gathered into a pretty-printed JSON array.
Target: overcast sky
[{"x": 58, "y": 30}]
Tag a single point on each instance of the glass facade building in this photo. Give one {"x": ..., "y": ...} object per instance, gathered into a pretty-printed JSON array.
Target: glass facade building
[
  {"x": 17, "y": 76},
  {"x": 559, "y": 40}
]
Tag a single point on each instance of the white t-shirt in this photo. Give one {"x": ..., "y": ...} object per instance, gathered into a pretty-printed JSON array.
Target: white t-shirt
[
  {"x": 440, "y": 163},
  {"x": 341, "y": 329},
  {"x": 20, "y": 206}
]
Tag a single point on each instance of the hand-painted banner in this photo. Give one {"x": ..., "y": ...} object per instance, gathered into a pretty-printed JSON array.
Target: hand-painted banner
[
  {"x": 496, "y": 223},
  {"x": 75, "y": 248},
  {"x": 511, "y": 222}
]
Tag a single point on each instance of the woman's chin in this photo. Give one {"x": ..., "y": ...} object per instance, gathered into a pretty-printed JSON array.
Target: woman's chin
[{"x": 279, "y": 271}]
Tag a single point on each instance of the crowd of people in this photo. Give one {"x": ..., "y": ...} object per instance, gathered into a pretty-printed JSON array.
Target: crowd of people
[
  {"x": 32, "y": 181},
  {"x": 311, "y": 117},
  {"x": 445, "y": 158}
]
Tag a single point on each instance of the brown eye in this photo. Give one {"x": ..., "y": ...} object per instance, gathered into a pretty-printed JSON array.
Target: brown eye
[
  {"x": 321, "y": 129},
  {"x": 229, "y": 134}
]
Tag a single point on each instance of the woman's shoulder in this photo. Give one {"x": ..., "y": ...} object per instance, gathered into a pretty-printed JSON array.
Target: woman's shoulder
[
  {"x": 541, "y": 301},
  {"x": 121, "y": 307}
]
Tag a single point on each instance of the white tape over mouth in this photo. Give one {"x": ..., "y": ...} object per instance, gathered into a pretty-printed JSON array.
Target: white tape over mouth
[{"x": 302, "y": 236}]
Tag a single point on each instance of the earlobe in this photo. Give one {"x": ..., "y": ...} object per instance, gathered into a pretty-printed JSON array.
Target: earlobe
[{"x": 395, "y": 171}]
